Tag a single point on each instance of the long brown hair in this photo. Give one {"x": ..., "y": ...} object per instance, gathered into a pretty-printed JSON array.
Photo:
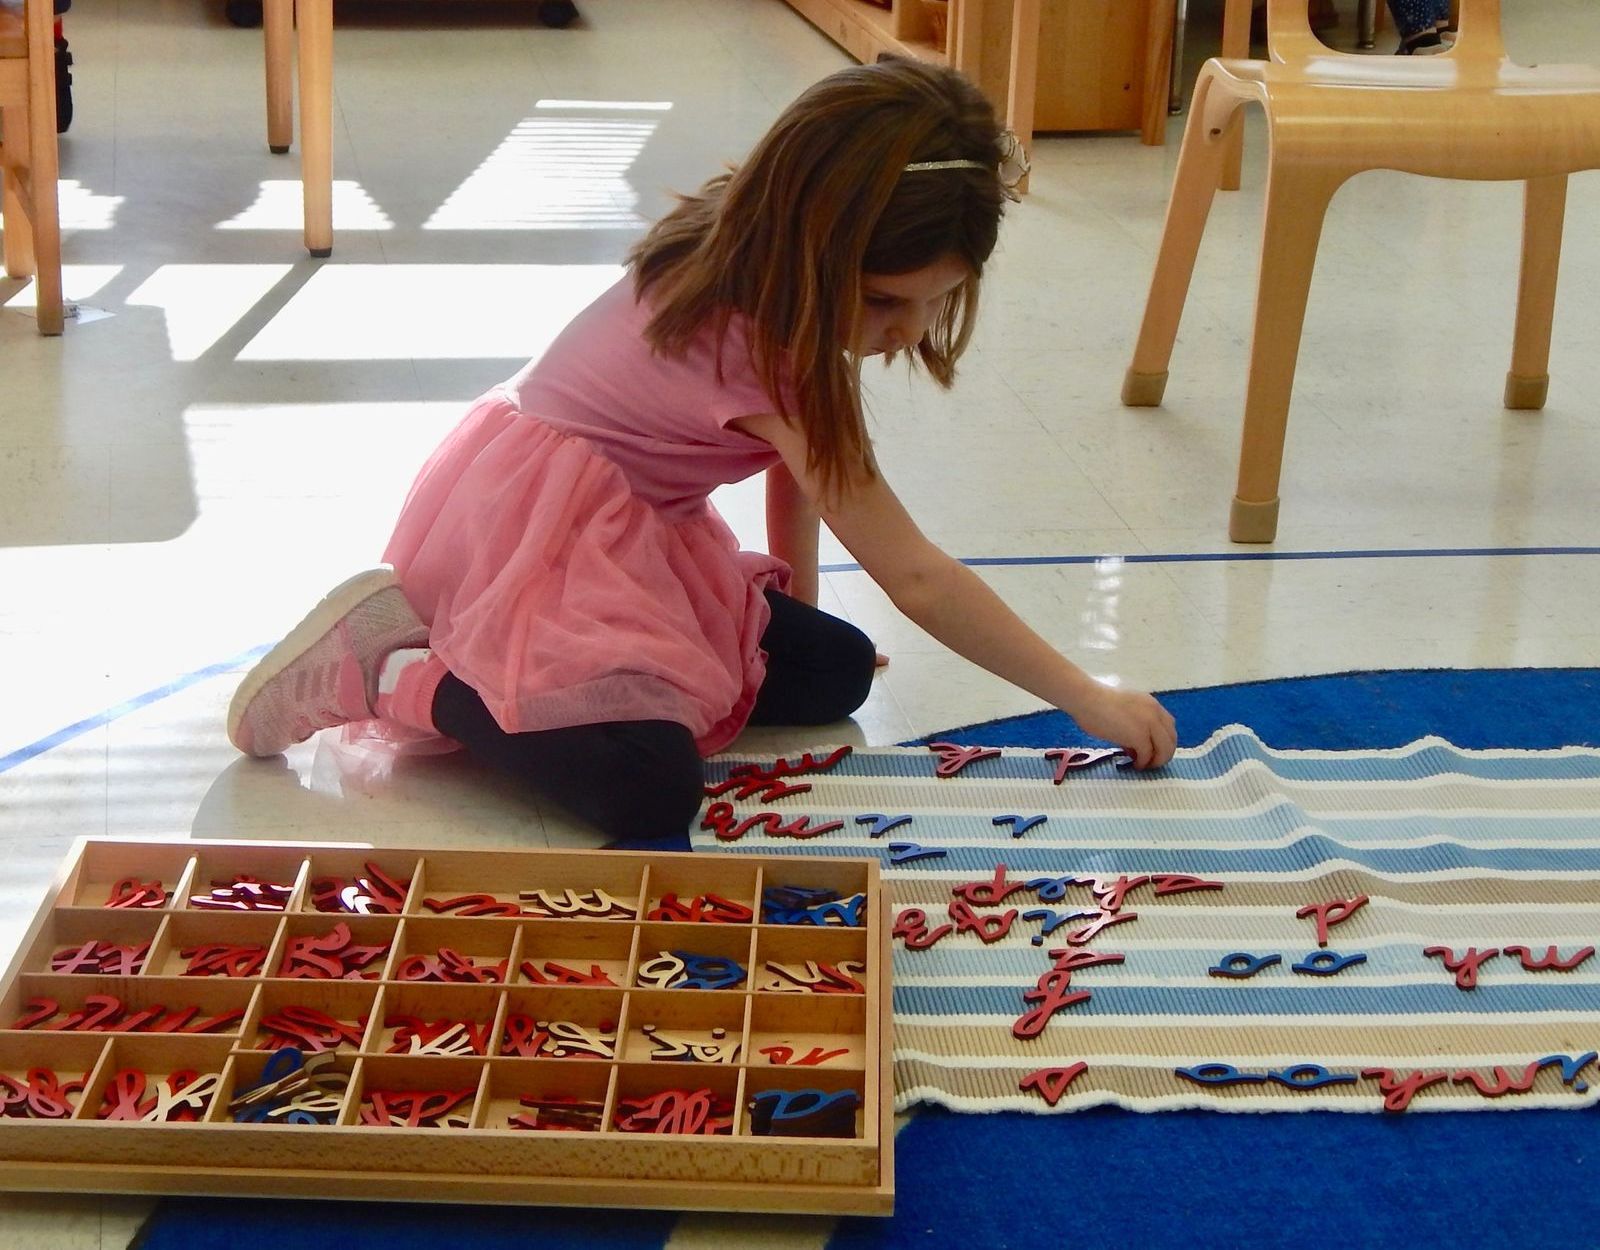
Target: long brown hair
[{"x": 785, "y": 237}]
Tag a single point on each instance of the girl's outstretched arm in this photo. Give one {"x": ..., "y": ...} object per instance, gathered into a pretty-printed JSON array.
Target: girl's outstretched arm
[
  {"x": 792, "y": 531},
  {"x": 954, "y": 604}
]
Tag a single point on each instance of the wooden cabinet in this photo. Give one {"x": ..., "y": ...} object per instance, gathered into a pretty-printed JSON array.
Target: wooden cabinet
[
  {"x": 1102, "y": 64},
  {"x": 864, "y": 30}
]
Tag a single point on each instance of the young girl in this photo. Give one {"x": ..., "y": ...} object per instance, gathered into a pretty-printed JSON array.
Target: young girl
[
  {"x": 564, "y": 602},
  {"x": 1422, "y": 25}
]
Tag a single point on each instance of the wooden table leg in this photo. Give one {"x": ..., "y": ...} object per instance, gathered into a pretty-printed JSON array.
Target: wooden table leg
[
  {"x": 277, "y": 29},
  {"x": 316, "y": 122}
]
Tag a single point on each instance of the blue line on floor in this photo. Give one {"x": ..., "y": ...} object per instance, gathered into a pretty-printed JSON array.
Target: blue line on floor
[
  {"x": 1244, "y": 557},
  {"x": 23, "y": 754},
  {"x": 33, "y": 749}
]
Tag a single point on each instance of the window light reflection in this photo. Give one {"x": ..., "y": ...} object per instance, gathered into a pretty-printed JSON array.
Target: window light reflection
[
  {"x": 82, "y": 209},
  {"x": 555, "y": 173},
  {"x": 281, "y": 206},
  {"x": 429, "y": 312},
  {"x": 203, "y": 302},
  {"x": 1099, "y": 627},
  {"x": 78, "y": 283},
  {"x": 608, "y": 106}
]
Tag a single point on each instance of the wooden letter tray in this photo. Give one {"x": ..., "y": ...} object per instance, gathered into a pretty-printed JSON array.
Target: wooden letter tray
[{"x": 471, "y": 1026}]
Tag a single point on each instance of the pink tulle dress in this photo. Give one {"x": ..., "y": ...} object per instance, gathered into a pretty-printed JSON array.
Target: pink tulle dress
[{"x": 561, "y": 546}]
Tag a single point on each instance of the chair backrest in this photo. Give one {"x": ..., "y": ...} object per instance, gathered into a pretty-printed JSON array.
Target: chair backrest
[
  {"x": 26, "y": 29},
  {"x": 1290, "y": 38}
]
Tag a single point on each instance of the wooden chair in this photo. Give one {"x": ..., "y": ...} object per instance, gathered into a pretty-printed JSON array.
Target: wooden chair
[
  {"x": 32, "y": 216},
  {"x": 1470, "y": 113}
]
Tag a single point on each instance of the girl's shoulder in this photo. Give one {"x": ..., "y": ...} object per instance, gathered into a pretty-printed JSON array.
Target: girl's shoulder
[
  {"x": 621, "y": 311},
  {"x": 603, "y": 365}
]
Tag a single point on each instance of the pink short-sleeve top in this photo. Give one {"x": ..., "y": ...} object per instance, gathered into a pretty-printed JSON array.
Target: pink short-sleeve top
[{"x": 662, "y": 420}]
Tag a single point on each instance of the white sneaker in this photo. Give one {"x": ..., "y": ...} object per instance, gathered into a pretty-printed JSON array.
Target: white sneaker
[
  {"x": 325, "y": 672},
  {"x": 1423, "y": 43}
]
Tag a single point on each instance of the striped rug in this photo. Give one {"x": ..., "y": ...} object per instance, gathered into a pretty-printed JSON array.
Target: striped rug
[{"x": 1396, "y": 922}]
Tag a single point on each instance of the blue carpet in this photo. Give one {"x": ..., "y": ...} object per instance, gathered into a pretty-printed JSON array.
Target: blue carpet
[
  {"x": 1207, "y": 1180},
  {"x": 1531, "y": 708},
  {"x": 1191, "y": 1179}
]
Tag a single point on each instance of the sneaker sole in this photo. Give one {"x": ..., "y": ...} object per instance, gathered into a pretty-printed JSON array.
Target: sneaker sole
[{"x": 335, "y": 605}]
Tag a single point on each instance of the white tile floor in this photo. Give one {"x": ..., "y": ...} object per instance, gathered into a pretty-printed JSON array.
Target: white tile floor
[{"x": 178, "y": 481}]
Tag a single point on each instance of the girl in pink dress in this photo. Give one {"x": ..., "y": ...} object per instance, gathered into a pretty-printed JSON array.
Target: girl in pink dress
[{"x": 561, "y": 599}]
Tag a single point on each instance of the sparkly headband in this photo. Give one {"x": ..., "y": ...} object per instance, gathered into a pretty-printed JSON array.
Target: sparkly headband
[{"x": 1012, "y": 168}]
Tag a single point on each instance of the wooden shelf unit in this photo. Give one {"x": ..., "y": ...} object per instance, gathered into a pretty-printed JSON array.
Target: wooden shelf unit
[
  {"x": 484, "y": 1160},
  {"x": 1101, "y": 64},
  {"x": 865, "y": 30}
]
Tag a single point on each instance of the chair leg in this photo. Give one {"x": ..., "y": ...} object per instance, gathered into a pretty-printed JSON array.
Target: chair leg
[
  {"x": 1297, "y": 202},
  {"x": 1544, "y": 207},
  {"x": 44, "y": 196},
  {"x": 1180, "y": 26},
  {"x": 1200, "y": 163},
  {"x": 18, "y": 234},
  {"x": 49, "y": 301},
  {"x": 1235, "y": 43},
  {"x": 1367, "y": 24}
]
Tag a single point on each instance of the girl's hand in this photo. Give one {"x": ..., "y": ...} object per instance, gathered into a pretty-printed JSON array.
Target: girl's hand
[
  {"x": 880, "y": 660},
  {"x": 1133, "y": 720}
]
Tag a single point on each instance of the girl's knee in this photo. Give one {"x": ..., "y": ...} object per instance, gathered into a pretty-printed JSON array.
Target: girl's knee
[
  {"x": 843, "y": 684},
  {"x": 858, "y": 662},
  {"x": 658, "y": 782},
  {"x": 824, "y": 680},
  {"x": 627, "y": 779}
]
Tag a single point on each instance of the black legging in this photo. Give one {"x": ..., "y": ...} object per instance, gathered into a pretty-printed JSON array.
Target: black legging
[{"x": 642, "y": 779}]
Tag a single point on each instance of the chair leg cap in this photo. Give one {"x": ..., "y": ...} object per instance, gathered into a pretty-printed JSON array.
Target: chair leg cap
[
  {"x": 1253, "y": 522},
  {"x": 1143, "y": 390},
  {"x": 1526, "y": 392}
]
